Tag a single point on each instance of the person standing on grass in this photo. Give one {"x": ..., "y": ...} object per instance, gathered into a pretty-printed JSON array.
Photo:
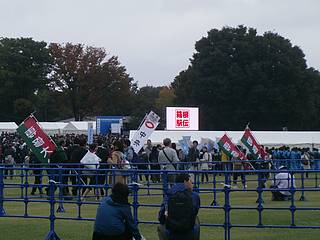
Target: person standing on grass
[
  {"x": 168, "y": 159},
  {"x": 114, "y": 219},
  {"x": 37, "y": 172},
  {"x": 204, "y": 166}
]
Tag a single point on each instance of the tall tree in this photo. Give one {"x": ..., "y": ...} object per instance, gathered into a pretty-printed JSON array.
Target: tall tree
[
  {"x": 144, "y": 102},
  {"x": 165, "y": 99},
  {"x": 237, "y": 76},
  {"x": 93, "y": 84},
  {"x": 24, "y": 66}
]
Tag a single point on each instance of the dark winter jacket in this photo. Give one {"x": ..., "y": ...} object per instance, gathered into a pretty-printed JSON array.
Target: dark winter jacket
[
  {"x": 113, "y": 217},
  {"x": 176, "y": 188}
]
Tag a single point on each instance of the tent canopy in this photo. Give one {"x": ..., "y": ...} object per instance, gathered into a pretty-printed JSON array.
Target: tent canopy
[
  {"x": 267, "y": 138},
  {"x": 8, "y": 127},
  {"x": 78, "y": 127},
  {"x": 53, "y": 127}
]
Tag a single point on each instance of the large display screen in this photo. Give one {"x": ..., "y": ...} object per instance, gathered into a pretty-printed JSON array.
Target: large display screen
[{"x": 182, "y": 118}]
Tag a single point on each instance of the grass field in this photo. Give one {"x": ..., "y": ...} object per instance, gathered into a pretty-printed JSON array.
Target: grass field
[{"x": 25, "y": 229}]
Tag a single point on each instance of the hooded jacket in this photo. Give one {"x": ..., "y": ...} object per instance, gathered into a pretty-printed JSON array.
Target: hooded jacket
[
  {"x": 177, "y": 188},
  {"x": 113, "y": 217}
]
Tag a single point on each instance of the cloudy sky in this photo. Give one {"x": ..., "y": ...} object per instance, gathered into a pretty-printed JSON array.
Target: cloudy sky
[{"x": 154, "y": 39}]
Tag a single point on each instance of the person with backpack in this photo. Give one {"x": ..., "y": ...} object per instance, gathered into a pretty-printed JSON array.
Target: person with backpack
[{"x": 178, "y": 214}]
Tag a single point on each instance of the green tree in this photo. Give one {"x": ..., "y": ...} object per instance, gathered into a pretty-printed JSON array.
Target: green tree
[
  {"x": 144, "y": 102},
  {"x": 237, "y": 76},
  {"x": 165, "y": 99},
  {"x": 93, "y": 84},
  {"x": 24, "y": 66}
]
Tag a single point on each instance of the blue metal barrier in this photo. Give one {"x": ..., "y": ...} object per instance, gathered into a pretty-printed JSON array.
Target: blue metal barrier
[
  {"x": 57, "y": 174},
  {"x": 2, "y": 211}
]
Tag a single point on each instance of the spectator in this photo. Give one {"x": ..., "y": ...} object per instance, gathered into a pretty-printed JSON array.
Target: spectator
[
  {"x": 306, "y": 160},
  {"x": 128, "y": 151},
  {"x": 205, "y": 159},
  {"x": 148, "y": 147},
  {"x": 103, "y": 153},
  {"x": 114, "y": 218},
  {"x": 194, "y": 155},
  {"x": 238, "y": 166},
  {"x": 117, "y": 161},
  {"x": 37, "y": 172},
  {"x": 168, "y": 158},
  {"x": 178, "y": 214},
  {"x": 153, "y": 159},
  {"x": 282, "y": 182},
  {"x": 91, "y": 163},
  {"x": 78, "y": 152},
  {"x": 9, "y": 161}
]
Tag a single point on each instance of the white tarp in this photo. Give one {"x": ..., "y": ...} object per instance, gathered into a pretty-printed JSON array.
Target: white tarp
[
  {"x": 267, "y": 138},
  {"x": 52, "y": 128},
  {"x": 78, "y": 127},
  {"x": 9, "y": 127}
]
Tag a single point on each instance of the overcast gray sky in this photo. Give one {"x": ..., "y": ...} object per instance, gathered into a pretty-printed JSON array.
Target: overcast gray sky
[{"x": 154, "y": 39}]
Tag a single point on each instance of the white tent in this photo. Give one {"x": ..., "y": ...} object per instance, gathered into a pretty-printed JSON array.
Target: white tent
[
  {"x": 78, "y": 127},
  {"x": 52, "y": 128},
  {"x": 9, "y": 127},
  {"x": 267, "y": 138}
]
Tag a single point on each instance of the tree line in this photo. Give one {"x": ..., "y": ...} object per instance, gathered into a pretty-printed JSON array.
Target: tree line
[{"x": 235, "y": 76}]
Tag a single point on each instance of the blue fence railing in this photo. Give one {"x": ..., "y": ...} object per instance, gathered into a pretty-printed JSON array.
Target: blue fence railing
[{"x": 55, "y": 180}]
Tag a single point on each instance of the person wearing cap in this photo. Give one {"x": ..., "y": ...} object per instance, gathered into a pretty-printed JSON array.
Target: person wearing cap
[
  {"x": 282, "y": 182},
  {"x": 114, "y": 219}
]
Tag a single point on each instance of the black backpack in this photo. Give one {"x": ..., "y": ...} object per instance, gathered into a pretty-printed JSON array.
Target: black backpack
[{"x": 181, "y": 213}]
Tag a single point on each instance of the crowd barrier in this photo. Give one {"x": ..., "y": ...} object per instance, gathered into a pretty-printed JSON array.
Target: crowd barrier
[{"x": 220, "y": 183}]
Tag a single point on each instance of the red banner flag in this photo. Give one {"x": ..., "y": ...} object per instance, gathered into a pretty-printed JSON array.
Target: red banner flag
[
  {"x": 41, "y": 145},
  {"x": 230, "y": 148},
  {"x": 252, "y": 144}
]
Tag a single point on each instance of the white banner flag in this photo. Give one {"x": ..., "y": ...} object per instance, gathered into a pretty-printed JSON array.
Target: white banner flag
[
  {"x": 149, "y": 124},
  {"x": 90, "y": 133}
]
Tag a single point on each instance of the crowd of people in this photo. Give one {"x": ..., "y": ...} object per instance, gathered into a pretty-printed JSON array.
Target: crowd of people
[
  {"x": 114, "y": 219},
  {"x": 116, "y": 151}
]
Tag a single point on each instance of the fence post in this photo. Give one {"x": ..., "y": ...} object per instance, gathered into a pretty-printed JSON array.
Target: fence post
[
  {"x": 60, "y": 208},
  {"x": 292, "y": 206},
  {"x": 226, "y": 207},
  {"x": 135, "y": 188},
  {"x": 21, "y": 182},
  {"x": 260, "y": 200},
  {"x": 302, "y": 198},
  {"x": 214, "y": 202},
  {"x": 164, "y": 182},
  {"x": 52, "y": 234},
  {"x": 2, "y": 211}
]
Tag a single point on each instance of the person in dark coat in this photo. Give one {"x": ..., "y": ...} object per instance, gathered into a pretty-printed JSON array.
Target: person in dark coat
[
  {"x": 78, "y": 152},
  {"x": 114, "y": 219},
  {"x": 184, "y": 185},
  {"x": 103, "y": 153},
  {"x": 154, "y": 164},
  {"x": 57, "y": 157},
  {"x": 37, "y": 172}
]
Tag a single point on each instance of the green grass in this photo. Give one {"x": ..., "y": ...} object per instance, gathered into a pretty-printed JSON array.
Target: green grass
[{"x": 23, "y": 228}]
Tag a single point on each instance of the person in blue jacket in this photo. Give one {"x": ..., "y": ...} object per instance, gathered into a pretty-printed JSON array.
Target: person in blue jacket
[
  {"x": 181, "y": 190},
  {"x": 114, "y": 219}
]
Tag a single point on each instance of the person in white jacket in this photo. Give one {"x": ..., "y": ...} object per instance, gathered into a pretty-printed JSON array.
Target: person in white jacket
[
  {"x": 282, "y": 182},
  {"x": 91, "y": 163},
  {"x": 206, "y": 158}
]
